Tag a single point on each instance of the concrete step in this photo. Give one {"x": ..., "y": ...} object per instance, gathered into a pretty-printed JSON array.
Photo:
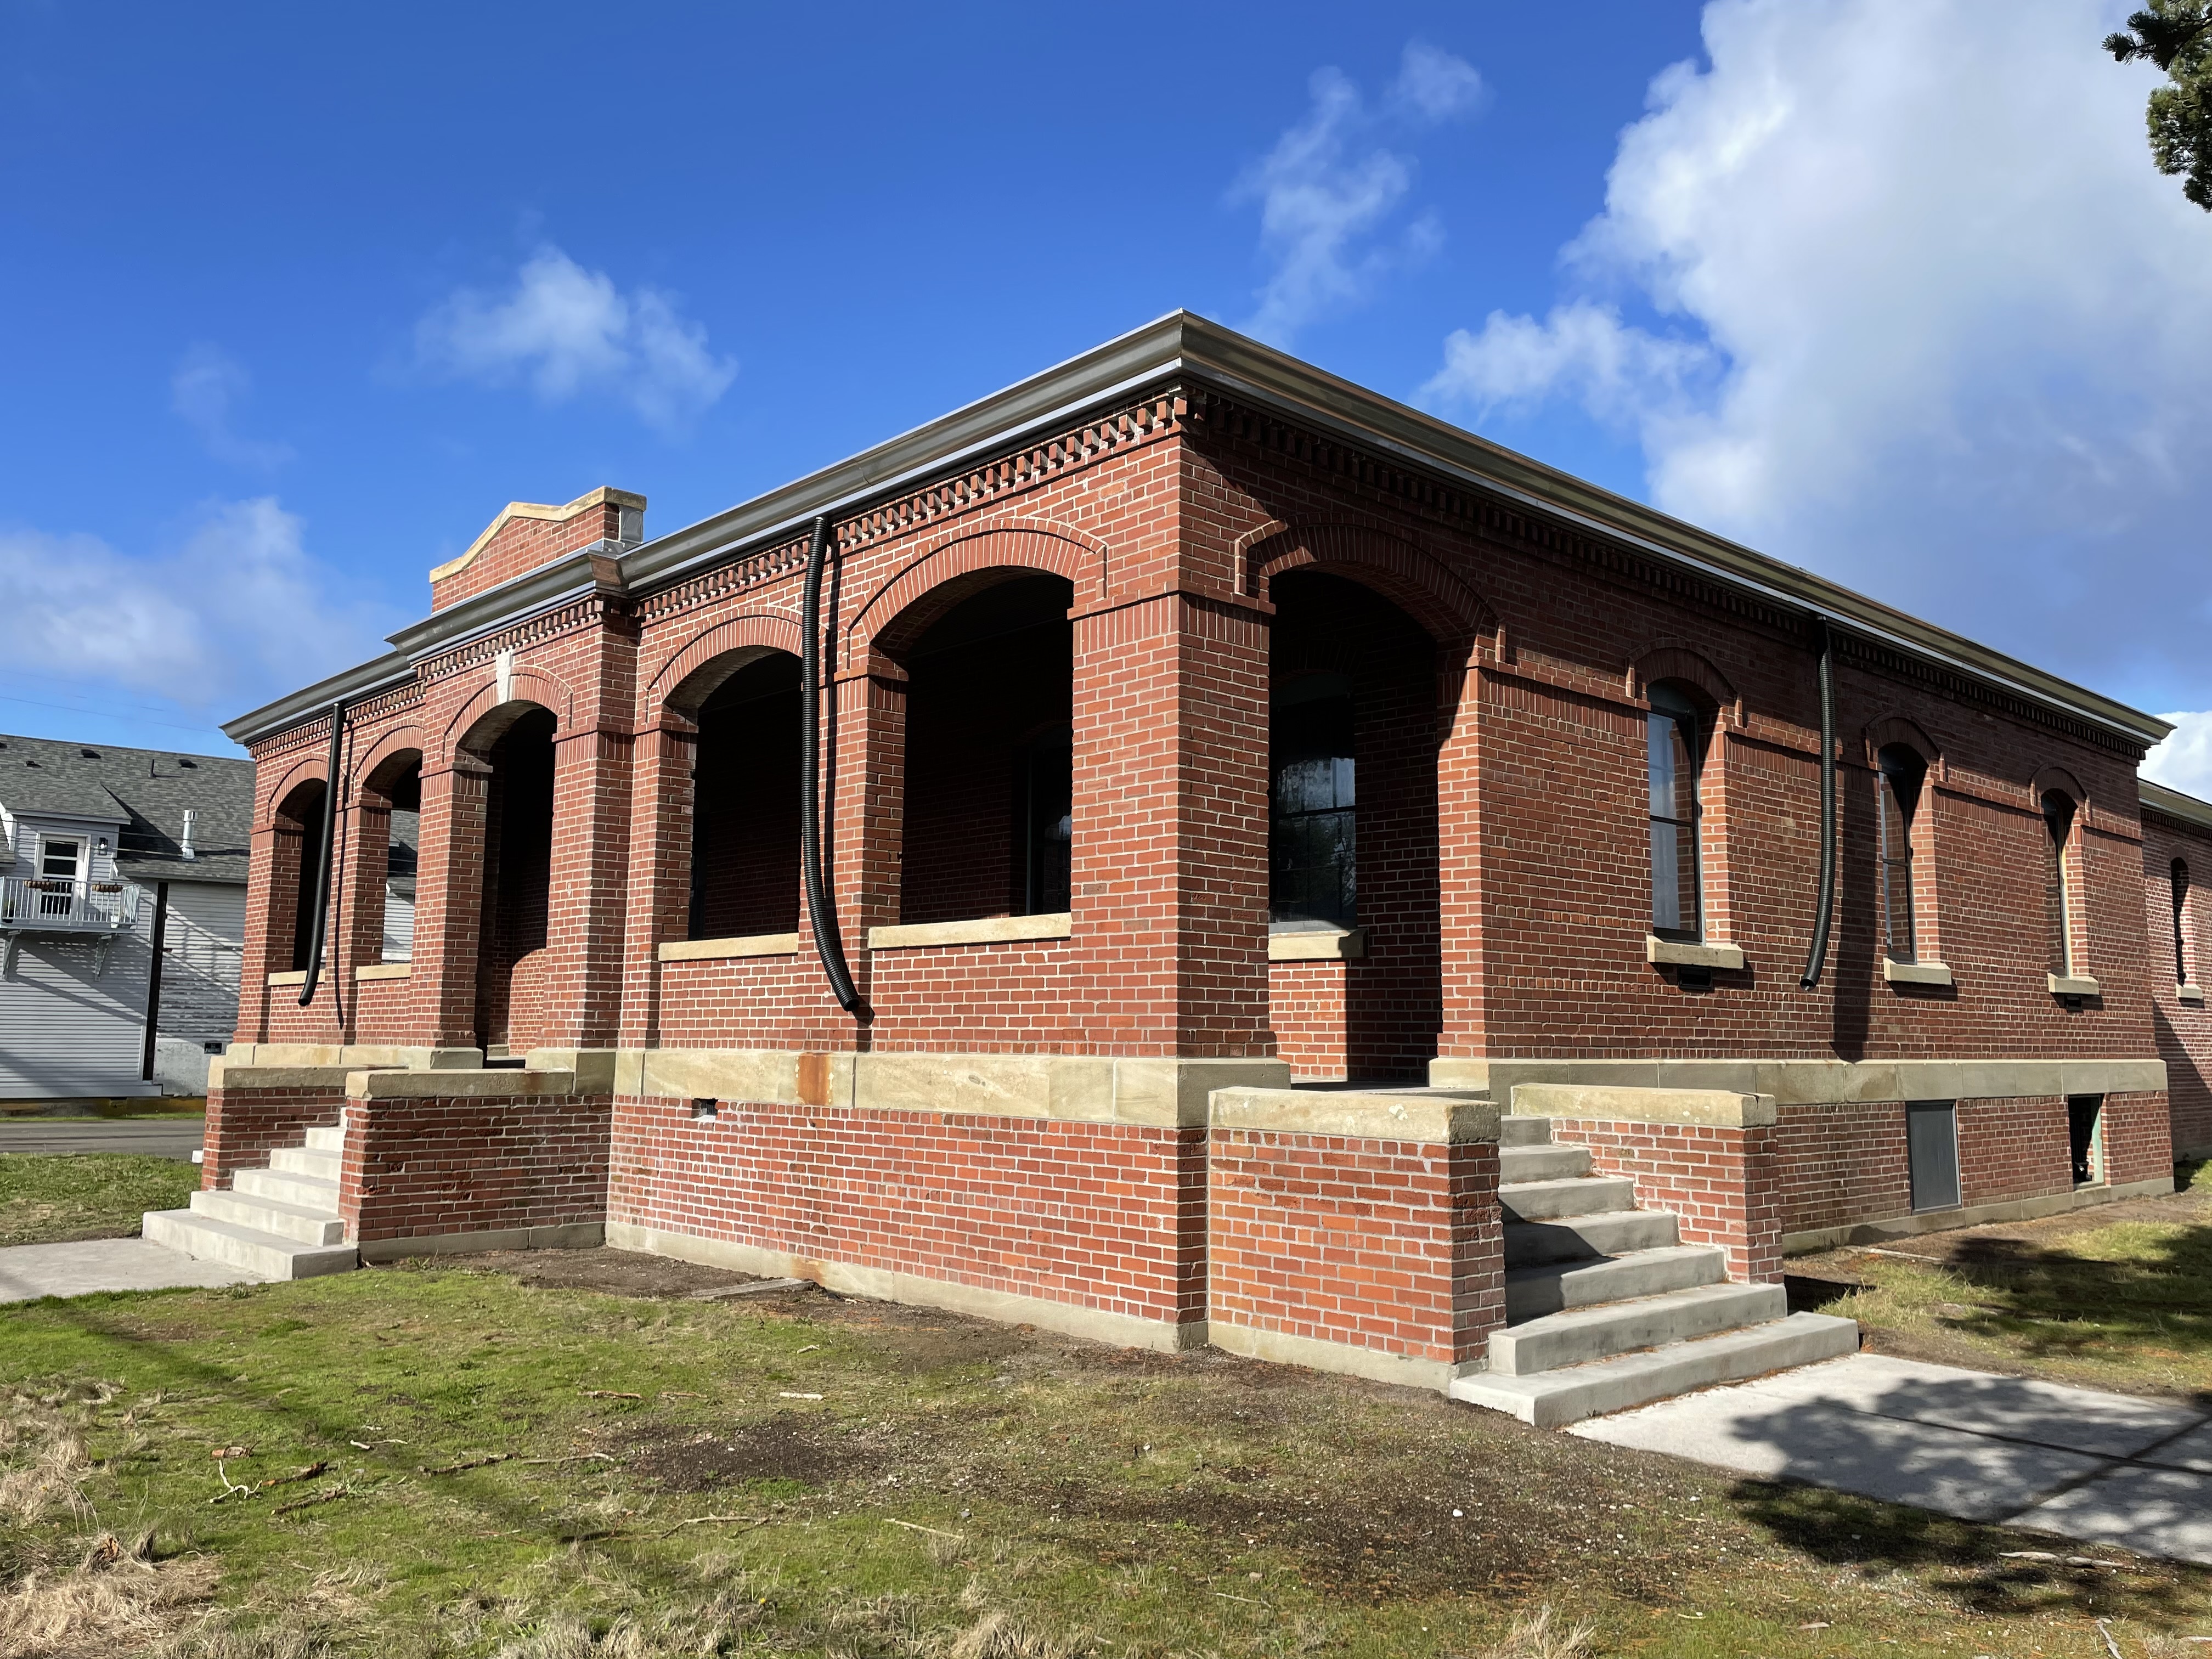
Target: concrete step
[
  {"x": 212, "y": 1240},
  {"x": 330, "y": 1137},
  {"x": 1580, "y": 1237},
  {"x": 1549, "y": 1399},
  {"x": 1524, "y": 1131},
  {"x": 1554, "y": 1287},
  {"x": 293, "y": 1221},
  {"x": 1580, "y": 1335},
  {"x": 1518, "y": 1166},
  {"x": 1543, "y": 1201},
  {"x": 306, "y": 1160},
  {"x": 311, "y": 1191}
]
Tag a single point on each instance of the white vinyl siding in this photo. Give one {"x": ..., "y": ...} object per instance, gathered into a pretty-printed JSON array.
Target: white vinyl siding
[
  {"x": 66, "y": 1033},
  {"x": 204, "y": 946}
]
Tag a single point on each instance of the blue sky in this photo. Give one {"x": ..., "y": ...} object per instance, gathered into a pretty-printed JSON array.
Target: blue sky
[{"x": 294, "y": 302}]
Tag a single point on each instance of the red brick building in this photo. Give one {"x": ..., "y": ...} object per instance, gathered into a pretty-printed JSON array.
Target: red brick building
[{"x": 1193, "y": 723}]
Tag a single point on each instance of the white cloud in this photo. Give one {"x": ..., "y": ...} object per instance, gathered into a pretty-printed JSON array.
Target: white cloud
[
  {"x": 1328, "y": 186},
  {"x": 2183, "y": 761},
  {"x": 208, "y": 381},
  {"x": 565, "y": 331},
  {"x": 1918, "y": 312},
  {"x": 238, "y": 613}
]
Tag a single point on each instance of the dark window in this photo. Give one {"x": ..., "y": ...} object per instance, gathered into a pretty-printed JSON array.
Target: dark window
[
  {"x": 2180, "y": 876},
  {"x": 1046, "y": 778},
  {"x": 1903, "y": 772},
  {"x": 745, "y": 803},
  {"x": 1931, "y": 1151},
  {"x": 1677, "y": 732},
  {"x": 2059, "y": 811},
  {"x": 306, "y": 809},
  {"x": 2084, "y": 1115},
  {"x": 1313, "y": 851}
]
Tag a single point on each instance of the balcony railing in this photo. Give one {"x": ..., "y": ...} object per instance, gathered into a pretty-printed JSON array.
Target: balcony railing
[{"x": 49, "y": 904}]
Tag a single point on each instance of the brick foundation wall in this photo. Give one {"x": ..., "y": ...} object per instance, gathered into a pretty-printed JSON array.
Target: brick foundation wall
[
  {"x": 1108, "y": 1216},
  {"x": 2012, "y": 1149},
  {"x": 2138, "y": 1138},
  {"x": 1724, "y": 1183},
  {"x": 1391, "y": 1246},
  {"x": 1837, "y": 1165},
  {"x": 421, "y": 1167},
  {"x": 244, "y": 1126}
]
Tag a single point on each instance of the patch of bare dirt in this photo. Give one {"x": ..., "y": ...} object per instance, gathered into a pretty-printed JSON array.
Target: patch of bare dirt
[
  {"x": 617, "y": 1273},
  {"x": 787, "y": 1446}
]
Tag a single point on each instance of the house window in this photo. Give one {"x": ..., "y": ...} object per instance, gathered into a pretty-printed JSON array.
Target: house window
[
  {"x": 2058, "y": 899},
  {"x": 59, "y": 859},
  {"x": 1313, "y": 851},
  {"x": 2179, "y": 874},
  {"x": 1677, "y": 734},
  {"x": 1931, "y": 1153},
  {"x": 1902, "y": 773}
]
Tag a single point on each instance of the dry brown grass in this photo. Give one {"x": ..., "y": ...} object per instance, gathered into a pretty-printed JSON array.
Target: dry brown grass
[
  {"x": 1536, "y": 1636},
  {"x": 117, "y": 1600}
]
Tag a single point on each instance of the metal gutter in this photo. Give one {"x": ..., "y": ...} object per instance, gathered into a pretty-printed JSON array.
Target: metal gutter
[
  {"x": 2174, "y": 803},
  {"x": 1181, "y": 348},
  {"x": 392, "y": 668}
]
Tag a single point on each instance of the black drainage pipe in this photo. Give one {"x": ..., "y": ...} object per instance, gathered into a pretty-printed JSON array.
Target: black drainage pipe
[
  {"x": 1825, "y": 635},
  {"x": 821, "y": 920},
  {"x": 330, "y": 788}
]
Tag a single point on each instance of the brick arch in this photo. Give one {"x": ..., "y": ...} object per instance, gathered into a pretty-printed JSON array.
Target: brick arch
[
  {"x": 1668, "y": 660},
  {"x": 398, "y": 740},
  {"x": 307, "y": 769},
  {"x": 680, "y": 684},
  {"x": 1417, "y": 582},
  {"x": 2058, "y": 778},
  {"x": 946, "y": 572},
  {"x": 477, "y": 723},
  {"x": 1896, "y": 729}
]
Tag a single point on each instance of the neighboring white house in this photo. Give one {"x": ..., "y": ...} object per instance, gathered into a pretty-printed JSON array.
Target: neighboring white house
[{"x": 122, "y": 917}]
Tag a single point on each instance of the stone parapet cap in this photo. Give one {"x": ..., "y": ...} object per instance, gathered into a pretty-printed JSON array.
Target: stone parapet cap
[
  {"x": 718, "y": 950},
  {"x": 502, "y": 1083},
  {"x": 1435, "y": 1118},
  {"x": 1820, "y": 1082},
  {"x": 229, "y": 1077},
  {"x": 984, "y": 930},
  {"x": 1718, "y": 1107},
  {"x": 353, "y": 1056}
]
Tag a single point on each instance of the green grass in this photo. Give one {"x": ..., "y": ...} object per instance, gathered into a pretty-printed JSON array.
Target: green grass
[
  {"x": 46, "y": 1199},
  {"x": 957, "y": 1488}
]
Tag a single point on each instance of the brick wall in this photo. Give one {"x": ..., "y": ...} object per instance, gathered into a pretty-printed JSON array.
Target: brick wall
[
  {"x": 2184, "y": 1029},
  {"x": 244, "y": 1125},
  {"x": 2138, "y": 1138},
  {"x": 1724, "y": 1182},
  {"x": 1101, "y": 1216},
  {"x": 423, "y": 1167},
  {"x": 517, "y": 543},
  {"x": 1305, "y": 1006},
  {"x": 1840, "y": 1164},
  {"x": 1391, "y": 1246}
]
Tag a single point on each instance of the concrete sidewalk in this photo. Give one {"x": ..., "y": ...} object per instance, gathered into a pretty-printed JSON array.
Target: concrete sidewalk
[
  {"x": 2102, "y": 1467},
  {"x": 29, "y": 1271}
]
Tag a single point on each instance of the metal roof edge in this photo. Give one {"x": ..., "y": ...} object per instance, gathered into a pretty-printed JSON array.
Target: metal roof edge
[
  {"x": 310, "y": 701},
  {"x": 2174, "y": 803}
]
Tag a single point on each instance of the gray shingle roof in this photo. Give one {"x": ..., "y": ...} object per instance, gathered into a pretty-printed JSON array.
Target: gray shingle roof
[{"x": 146, "y": 792}]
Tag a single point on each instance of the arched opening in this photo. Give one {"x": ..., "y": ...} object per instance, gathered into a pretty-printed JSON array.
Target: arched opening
[
  {"x": 745, "y": 790},
  {"x": 388, "y": 832},
  {"x": 990, "y": 756},
  {"x": 2060, "y": 901},
  {"x": 2178, "y": 874},
  {"x": 1903, "y": 772},
  {"x": 301, "y": 847},
  {"x": 1678, "y": 735},
  {"x": 1354, "y": 735},
  {"x": 518, "y": 877}
]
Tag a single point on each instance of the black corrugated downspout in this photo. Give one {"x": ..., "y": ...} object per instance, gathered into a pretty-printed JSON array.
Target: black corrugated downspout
[
  {"x": 1818, "y": 957},
  {"x": 330, "y": 848},
  {"x": 154, "y": 980},
  {"x": 821, "y": 920}
]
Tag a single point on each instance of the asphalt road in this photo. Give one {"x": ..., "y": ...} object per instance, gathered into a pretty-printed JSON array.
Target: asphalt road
[{"x": 177, "y": 1137}]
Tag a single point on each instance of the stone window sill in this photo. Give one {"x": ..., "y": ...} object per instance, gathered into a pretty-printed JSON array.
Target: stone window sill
[
  {"x": 1318, "y": 945},
  {"x": 722, "y": 949},
  {"x": 1680, "y": 953},
  {"x": 2065, "y": 986},
  {"x": 384, "y": 970},
  {"x": 2190, "y": 994},
  {"x": 1916, "y": 972},
  {"x": 297, "y": 976},
  {"x": 984, "y": 930}
]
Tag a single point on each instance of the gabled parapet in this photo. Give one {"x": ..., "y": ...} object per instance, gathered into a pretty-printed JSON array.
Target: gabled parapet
[{"x": 526, "y": 535}]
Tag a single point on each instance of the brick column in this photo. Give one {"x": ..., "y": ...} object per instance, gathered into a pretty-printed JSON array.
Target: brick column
[
  {"x": 449, "y": 900},
  {"x": 365, "y": 835},
  {"x": 268, "y": 926},
  {"x": 582, "y": 1006},
  {"x": 864, "y": 804},
  {"x": 1459, "y": 861},
  {"x": 660, "y": 886}
]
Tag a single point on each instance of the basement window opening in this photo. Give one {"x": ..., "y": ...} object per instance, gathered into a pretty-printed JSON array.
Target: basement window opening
[{"x": 2085, "y": 1134}]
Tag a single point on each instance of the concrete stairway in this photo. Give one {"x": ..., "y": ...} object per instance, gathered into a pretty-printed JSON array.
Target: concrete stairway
[
  {"x": 282, "y": 1221},
  {"x": 1606, "y": 1309}
]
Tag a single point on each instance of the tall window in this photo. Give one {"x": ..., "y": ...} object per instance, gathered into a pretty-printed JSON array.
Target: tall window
[
  {"x": 1312, "y": 852},
  {"x": 2180, "y": 876},
  {"x": 1902, "y": 773},
  {"x": 1046, "y": 778},
  {"x": 2059, "y": 904},
  {"x": 1677, "y": 731}
]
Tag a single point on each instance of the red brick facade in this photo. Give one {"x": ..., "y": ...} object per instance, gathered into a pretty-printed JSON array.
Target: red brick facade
[{"x": 1162, "y": 569}]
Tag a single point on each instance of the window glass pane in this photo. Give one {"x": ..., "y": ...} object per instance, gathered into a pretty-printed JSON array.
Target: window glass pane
[
  {"x": 1664, "y": 745},
  {"x": 1313, "y": 857},
  {"x": 2058, "y": 821},
  {"x": 1665, "y": 878},
  {"x": 59, "y": 860}
]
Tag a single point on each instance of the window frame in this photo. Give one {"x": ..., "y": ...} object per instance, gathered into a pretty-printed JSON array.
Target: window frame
[
  {"x": 1890, "y": 763},
  {"x": 2178, "y": 876},
  {"x": 2062, "y": 895},
  {"x": 1675, "y": 702}
]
